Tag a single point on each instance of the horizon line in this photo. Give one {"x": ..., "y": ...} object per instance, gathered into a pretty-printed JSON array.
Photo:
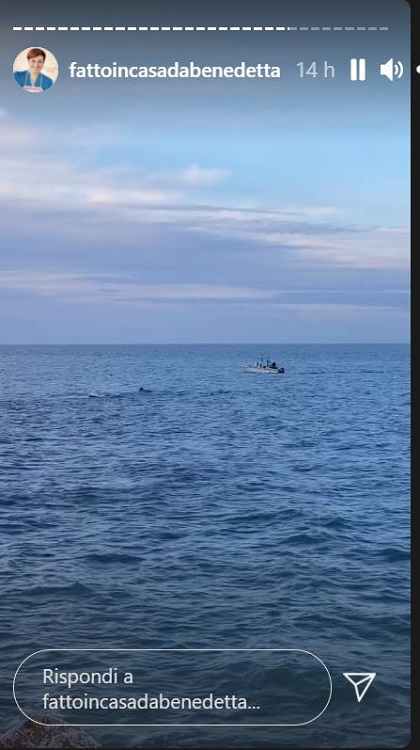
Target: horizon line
[{"x": 220, "y": 343}]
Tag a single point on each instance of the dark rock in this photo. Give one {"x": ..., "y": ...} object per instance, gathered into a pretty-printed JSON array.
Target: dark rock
[{"x": 27, "y": 734}]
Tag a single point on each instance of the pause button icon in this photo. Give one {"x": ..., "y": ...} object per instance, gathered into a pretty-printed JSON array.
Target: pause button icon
[{"x": 358, "y": 69}]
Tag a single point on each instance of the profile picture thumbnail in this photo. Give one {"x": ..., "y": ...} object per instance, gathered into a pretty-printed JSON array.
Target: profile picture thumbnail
[{"x": 35, "y": 69}]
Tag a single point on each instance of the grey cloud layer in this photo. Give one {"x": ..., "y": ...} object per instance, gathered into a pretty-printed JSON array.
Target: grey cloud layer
[{"x": 35, "y": 185}]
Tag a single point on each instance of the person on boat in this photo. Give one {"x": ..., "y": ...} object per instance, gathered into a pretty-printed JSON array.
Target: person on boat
[
  {"x": 273, "y": 365},
  {"x": 32, "y": 79}
]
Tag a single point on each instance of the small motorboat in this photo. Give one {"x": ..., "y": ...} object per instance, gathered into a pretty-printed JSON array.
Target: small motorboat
[{"x": 264, "y": 366}]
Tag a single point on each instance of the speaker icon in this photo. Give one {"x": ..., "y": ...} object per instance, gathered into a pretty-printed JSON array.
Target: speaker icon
[{"x": 392, "y": 69}]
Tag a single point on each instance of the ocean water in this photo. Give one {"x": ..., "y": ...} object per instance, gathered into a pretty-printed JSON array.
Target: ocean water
[{"x": 214, "y": 509}]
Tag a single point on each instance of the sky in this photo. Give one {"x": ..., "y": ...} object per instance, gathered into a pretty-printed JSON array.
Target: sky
[{"x": 206, "y": 211}]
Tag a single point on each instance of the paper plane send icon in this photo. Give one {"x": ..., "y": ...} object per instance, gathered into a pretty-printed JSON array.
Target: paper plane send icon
[{"x": 361, "y": 682}]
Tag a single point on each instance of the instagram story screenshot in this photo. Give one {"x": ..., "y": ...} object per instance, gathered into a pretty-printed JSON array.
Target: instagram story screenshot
[{"x": 205, "y": 375}]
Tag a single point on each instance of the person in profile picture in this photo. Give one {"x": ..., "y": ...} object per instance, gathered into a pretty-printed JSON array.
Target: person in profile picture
[{"x": 32, "y": 79}]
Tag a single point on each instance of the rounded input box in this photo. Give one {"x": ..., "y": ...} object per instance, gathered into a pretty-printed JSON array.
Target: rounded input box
[{"x": 284, "y": 687}]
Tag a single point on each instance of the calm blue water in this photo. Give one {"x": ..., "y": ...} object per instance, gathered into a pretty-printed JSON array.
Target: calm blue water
[{"x": 218, "y": 509}]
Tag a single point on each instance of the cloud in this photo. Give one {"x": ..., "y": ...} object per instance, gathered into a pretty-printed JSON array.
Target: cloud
[
  {"x": 197, "y": 176},
  {"x": 110, "y": 288},
  {"x": 115, "y": 197},
  {"x": 120, "y": 201},
  {"x": 361, "y": 248}
]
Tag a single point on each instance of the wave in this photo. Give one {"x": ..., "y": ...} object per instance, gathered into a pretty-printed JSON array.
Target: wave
[
  {"x": 71, "y": 589},
  {"x": 395, "y": 554},
  {"x": 112, "y": 558}
]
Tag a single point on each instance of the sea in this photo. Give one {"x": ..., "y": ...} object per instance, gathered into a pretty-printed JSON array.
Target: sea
[{"x": 212, "y": 509}]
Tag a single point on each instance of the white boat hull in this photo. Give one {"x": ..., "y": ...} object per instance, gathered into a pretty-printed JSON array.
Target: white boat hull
[{"x": 263, "y": 370}]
